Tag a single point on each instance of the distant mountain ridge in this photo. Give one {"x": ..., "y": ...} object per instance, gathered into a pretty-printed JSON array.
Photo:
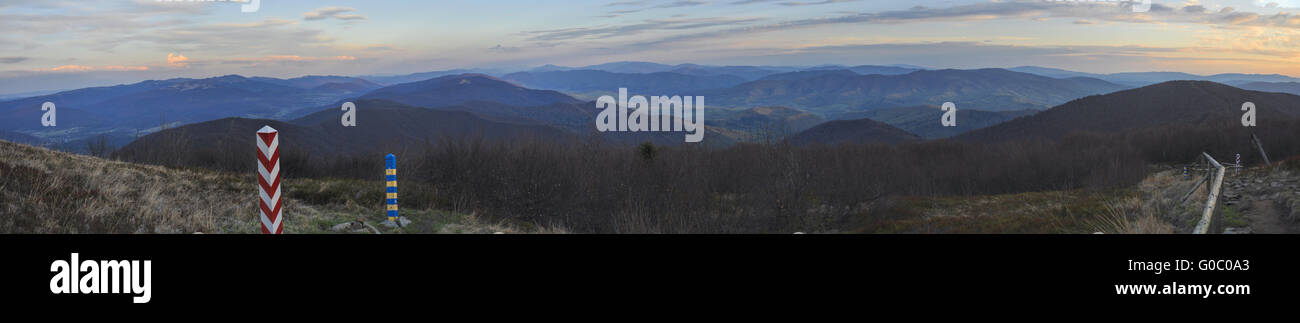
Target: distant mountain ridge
[
  {"x": 1191, "y": 103},
  {"x": 381, "y": 125},
  {"x": 925, "y": 121},
  {"x": 1279, "y": 87},
  {"x": 860, "y": 131},
  {"x": 454, "y": 90},
  {"x": 657, "y": 83},
  {"x": 1148, "y": 78},
  {"x": 125, "y": 109},
  {"x": 982, "y": 89}
]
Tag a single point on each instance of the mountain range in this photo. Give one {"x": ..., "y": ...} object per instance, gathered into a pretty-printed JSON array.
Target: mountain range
[
  {"x": 819, "y": 104},
  {"x": 860, "y": 131},
  {"x": 658, "y": 83},
  {"x": 924, "y": 120},
  {"x": 124, "y": 110},
  {"x": 1136, "y": 79},
  {"x": 458, "y": 89},
  {"x": 830, "y": 92},
  {"x": 1189, "y": 103},
  {"x": 381, "y": 126}
]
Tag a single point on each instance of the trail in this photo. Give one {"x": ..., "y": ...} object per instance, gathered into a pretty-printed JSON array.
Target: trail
[{"x": 1265, "y": 198}]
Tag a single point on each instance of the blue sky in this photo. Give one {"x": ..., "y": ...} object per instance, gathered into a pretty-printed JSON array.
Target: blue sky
[{"x": 72, "y": 43}]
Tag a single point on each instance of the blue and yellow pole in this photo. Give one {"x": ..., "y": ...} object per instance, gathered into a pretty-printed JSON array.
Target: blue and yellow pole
[{"x": 390, "y": 175}]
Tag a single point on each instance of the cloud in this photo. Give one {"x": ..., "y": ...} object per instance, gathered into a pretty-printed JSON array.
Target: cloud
[
  {"x": 644, "y": 5},
  {"x": 177, "y": 60},
  {"x": 265, "y": 37},
  {"x": 72, "y": 68},
  {"x": 124, "y": 68},
  {"x": 791, "y": 3},
  {"x": 812, "y": 3},
  {"x": 83, "y": 68},
  {"x": 503, "y": 49},
  {"x": 677, "y": 4},
  {"x": 379, "y": 47},
  {"x": 286, "y": 58},
  {"x": 340, "y": 13},
  {"x": 627, "y": 3},
  {"x": 13, "y": 59},
  {"x": 1091, "y": 12},
  {"x": 632, "y": 29}
]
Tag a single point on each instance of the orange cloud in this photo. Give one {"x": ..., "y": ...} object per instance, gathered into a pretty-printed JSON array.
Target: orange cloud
[
  {"x": 177, "y": 60},
  {"x": 72, "y": 68}
]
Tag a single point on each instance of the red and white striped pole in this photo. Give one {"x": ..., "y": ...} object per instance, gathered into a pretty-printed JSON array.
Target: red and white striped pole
[{"x": 268, "y": 179}]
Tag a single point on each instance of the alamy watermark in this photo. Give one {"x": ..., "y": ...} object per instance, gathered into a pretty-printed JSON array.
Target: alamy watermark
[
  {"x": 247, "y": 6},
  {"x": 659, "y": 113},
  {"x": 1136, "y": 5}
]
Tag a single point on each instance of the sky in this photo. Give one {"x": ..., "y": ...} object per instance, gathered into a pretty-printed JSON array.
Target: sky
[{"x": 62, "y": 44}]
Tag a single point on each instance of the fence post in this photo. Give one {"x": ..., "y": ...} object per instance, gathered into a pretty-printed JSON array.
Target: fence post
[
  {"x": 1260, "y": 145},
  {"x": 1216, "y": 183},
  {"x": 268, "y": 180},
  {"x": 390, "y": 177}
]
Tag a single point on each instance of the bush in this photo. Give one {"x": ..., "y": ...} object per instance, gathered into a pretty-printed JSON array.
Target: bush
[{"x": 594, "y": 186}]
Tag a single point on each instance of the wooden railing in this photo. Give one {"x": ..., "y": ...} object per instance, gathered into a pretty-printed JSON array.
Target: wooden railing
[{"x": 1215, "y": 187}]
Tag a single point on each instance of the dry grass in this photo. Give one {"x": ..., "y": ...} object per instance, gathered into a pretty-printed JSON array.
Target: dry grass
[
  {"x": 43, "y": 191},
  {"x": 1153, "y": 207},
  {"x": 1072, "y": 211},
  {"x": 1130, "y": 216}
]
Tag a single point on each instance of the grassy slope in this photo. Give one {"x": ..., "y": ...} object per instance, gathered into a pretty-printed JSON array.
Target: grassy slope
[
  {"x": 44, "y": 191},
  {"x": 1151, "y": 207}
]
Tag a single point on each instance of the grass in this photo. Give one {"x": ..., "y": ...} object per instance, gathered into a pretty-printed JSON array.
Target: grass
[
  {"x": 1154, "y": 206},
  {"x": 43, "y": 191},
  {"x": 1037, "y": 212},
  {"x": 1233, "y": 218}
]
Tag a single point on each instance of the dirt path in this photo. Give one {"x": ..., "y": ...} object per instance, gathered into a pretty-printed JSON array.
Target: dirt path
[
  {"x": 1265, "y": 217},
  {"x": 1261, "y": 199}
]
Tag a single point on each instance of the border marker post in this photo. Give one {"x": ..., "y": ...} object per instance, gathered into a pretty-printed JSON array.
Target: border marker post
[
  {"x": 268, "y": 180},
  {"x": 390, "y": 178}
]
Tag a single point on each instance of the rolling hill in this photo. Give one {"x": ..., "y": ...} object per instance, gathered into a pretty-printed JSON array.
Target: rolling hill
[
  {"x": 381, "y": 125},
  {"x": 748, "y": 73},
  {"x": 123, "y": 110},
  {"x": 869, "y": 69},
  {"x": 852, "y": 132},
  {"x": 1194, "y": 103},
  {"x": 1148, "y": 78},
  {"x": 1279, "y": 87},
  {"x": 774, "y": 120},
  {"x": 315, "y": 81},
  {"x": 659, "y": 83},
  {"x": 454, "y": 90},
  {"x": 984, "y": 89},
  {"x": 809, "y": 74},
  {"x": 18, "y": 138},
  {"x": 924, "y": 121}
]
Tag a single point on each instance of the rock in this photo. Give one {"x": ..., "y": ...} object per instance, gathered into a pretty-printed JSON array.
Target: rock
[
  {"x": 1237, "y": 230},
  {"x": 351, "y": 227},
  {"x": 346, "y": 227},
  {"x": 403, "y": 220}
]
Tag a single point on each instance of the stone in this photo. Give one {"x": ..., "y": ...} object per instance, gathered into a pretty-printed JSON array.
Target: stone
[
  {"x": 403, "y": 220},
  {"x": 1237, "y": 230}
]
